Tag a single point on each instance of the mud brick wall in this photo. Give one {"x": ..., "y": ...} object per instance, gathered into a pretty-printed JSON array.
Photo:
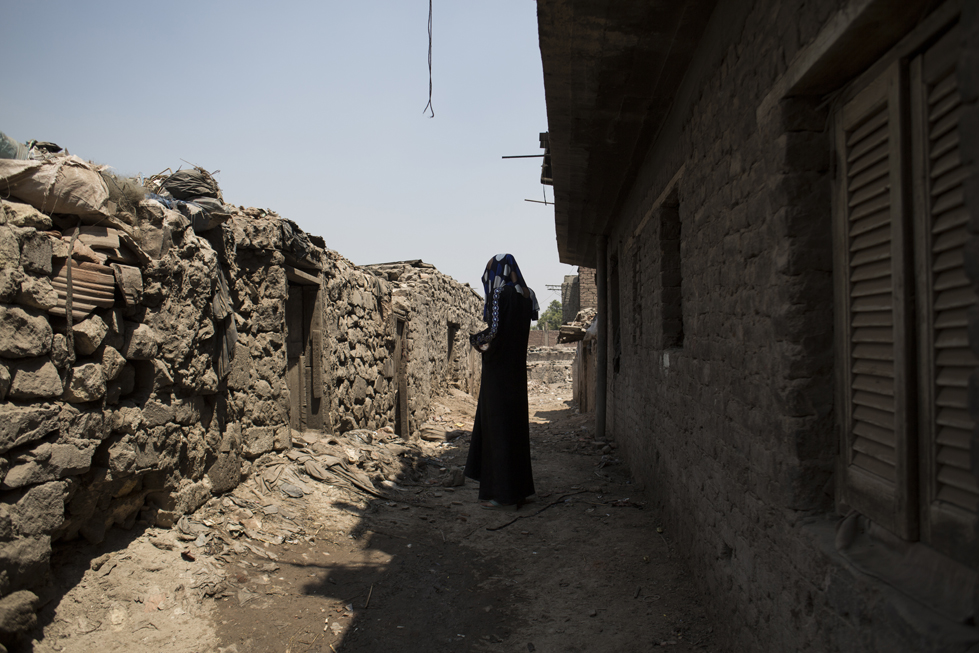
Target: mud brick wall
[
  {"x": 587, "y": 290},
  {"x": 570, "y": 298},
  {"x": 578, "y": 291},
  {"x": 543, "y": 337},
  {"x": 731, "y": 426}
]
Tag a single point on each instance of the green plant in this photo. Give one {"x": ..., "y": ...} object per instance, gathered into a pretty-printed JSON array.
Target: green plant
[{"x": 550, "y": 319}]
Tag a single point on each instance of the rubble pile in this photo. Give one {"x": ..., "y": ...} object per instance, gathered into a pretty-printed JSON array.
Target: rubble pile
[
  {"x": 550, "y": 364},
  {"x": 282, "y": 500},
  {"x": 576, "y": 329},
  {"x": 156, "y": 343}
]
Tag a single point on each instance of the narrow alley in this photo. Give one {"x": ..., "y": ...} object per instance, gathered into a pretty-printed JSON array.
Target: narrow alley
[{"x": 427, "y": 570}]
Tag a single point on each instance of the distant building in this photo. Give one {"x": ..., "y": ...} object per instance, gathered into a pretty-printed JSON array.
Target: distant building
[{"x": 577, "y": 292}]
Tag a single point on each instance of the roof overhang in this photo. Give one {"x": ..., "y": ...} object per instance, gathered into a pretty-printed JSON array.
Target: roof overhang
[{"x": 611, "y": 71}]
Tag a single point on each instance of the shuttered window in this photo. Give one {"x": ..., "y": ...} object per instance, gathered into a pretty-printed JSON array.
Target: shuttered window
[
  {"x": 904, "y": 301},
  {"x": 950, "y": 493},
  {"x": 872, "y": 274}
]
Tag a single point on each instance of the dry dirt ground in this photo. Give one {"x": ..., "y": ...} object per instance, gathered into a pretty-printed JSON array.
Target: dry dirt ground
[{"x": 333, "y": 568}]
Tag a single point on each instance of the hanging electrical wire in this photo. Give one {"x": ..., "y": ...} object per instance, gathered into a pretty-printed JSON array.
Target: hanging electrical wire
[{"x": 429, "y": 105}]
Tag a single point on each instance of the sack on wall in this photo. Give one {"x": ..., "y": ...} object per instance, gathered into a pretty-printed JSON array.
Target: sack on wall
[
  {"x": 188, "y": 184},
  {"x": 11, "y": 149},
  {"x": 62, "y": 184}
]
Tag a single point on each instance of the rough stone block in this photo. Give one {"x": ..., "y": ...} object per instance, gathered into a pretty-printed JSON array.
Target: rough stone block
[
  {"x": 267, "y": 317},
  {"x": 35, "y": 378},
  {"x": 25, "y": 562},
  {"x": 86, "y": 383},
  {"x": 112, "y": 363},
  {"x": 84, "y": 424},
  {"x": 209, "y": 382},
  {"x": 10, "y": 280},
  {"x": 9, "y": 248},
  {"x": 124, "y": 510},
  {"x": 17, "y": 614},
  {"x": 89, "y": 334},
  {"x": 142, "y": 342},
  {"x": 39, "y": 510},
  {"x": 147, "y": 451},
  {"x": 126, "y": 419},
  {"x": 358, "y": 392},
  {"x": 241, "y": 368},
  {"x": 23, "y": 333},
  {"x": 21, "y": 425},
  {"x": 157, "y": 413},
  {"x": 225, "y": 473},
  {"x": 35, "y": 252},
  {"x": 192, "y": 496},
  {"x": 122, "y": 457},
  {"x": 283, "y": 438},
  {"x": 59, "y": 351},
  {"x": 258, "y": 440},
  {"x": 37, "y": 292},
  {"x": 50, "y": 462},
  {"x": 188, "y": 411},
  {"x": 162, "y": 378}
]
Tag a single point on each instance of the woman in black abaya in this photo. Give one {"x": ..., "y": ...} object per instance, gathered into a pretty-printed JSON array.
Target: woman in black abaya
[{"x": 499, "y": 454}]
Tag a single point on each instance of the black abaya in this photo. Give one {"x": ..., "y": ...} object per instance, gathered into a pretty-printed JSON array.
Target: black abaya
[{"x": 499, "y": 454}]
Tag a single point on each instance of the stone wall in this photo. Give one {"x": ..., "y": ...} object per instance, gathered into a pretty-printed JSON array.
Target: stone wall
[
  {"x": 191, "y": 363},
  {"x": 440, "y": 315},
  {"x": 721, "y": 387}
]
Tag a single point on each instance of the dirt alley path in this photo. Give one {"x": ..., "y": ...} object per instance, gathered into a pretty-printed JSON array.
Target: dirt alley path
[{"x": 585, "y": 568}]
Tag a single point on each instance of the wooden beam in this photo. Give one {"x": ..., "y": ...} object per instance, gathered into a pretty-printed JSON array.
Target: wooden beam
[{"x": 299, "y": 276}]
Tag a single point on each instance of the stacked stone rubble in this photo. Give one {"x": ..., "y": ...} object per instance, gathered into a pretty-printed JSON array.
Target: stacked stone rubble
[{"x": 150, "y": 404}]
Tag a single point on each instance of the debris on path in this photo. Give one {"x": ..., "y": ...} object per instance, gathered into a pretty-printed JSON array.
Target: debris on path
[{"x": 356, "y": 542}]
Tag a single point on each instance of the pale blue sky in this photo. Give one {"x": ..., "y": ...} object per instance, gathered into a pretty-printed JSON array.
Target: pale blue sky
[{"x": 312, "y": 109}]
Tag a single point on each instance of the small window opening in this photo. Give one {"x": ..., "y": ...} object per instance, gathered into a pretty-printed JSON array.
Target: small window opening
[{"x": 671, "y": 272}]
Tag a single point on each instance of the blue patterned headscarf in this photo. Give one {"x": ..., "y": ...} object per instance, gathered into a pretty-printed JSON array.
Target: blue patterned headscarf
[{"x": 502, "y": 270}]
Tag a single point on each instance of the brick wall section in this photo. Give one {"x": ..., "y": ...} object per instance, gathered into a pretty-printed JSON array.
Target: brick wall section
[
  {"x": 587, "y": 290},
  {"x": 570, "y": 298},
  {"x": 542, "y": 338},
  {"x": 733, "y": 432},
  {"x": 578, "y": 291}
]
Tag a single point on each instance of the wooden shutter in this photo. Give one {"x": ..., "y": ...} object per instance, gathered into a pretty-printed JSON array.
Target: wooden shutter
[
  {"x": 877, "y": 416},
  {"x": 950, "y": 493}
]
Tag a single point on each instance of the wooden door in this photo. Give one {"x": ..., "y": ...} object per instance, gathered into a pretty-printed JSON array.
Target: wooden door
[
  {"x": 402, "y": 423},
  {"x": 304, "y": 353}
]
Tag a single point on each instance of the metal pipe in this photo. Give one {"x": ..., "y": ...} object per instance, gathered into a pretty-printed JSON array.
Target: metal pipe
[{"x": 601, "y": 364}]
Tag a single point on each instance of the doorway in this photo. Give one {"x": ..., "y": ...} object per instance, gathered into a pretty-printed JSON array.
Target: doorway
[
  {"x": 308, "y": 407},
  {"x": 402, "y": 422}
]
